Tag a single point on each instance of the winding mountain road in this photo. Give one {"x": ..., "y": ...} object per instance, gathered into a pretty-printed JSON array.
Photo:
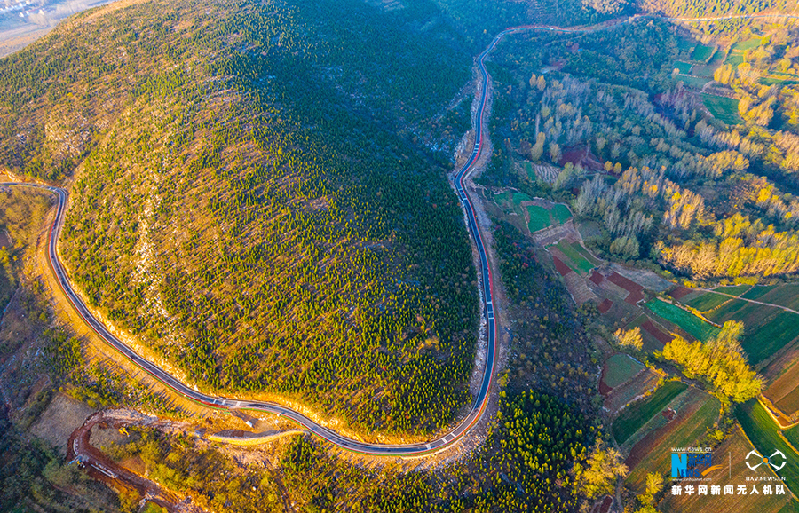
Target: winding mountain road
[{"x": 486, "y": 284}]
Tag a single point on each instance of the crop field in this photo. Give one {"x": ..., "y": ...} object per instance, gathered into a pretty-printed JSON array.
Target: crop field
[
  {"x": 702, "y": 52},
  {"x": 653, "y": 453},
  {"x": 767, "y": 329},
  {"x": 683, "y": 67},
  {"x": 758, "y": 291},
  {"x": 690, "y": 323},
  {"x": 620, "y": 369},
  {"x": 639, "y": 413},
  {"x": 623, "y": 394},
  {"x": 792, "y": 435},
  {"x": 762, "y": 341},
  {"x": 539, "y": 218},
  {"x": 707, "y": 301},
  {"x": 588, "y": 256},
  {"x": 736, "y": 54},
  {"x": 734, "y": 448},
  {"x": 786, "y": 295},
  {"x": 783, "y": 391},
  {"x": 685, "y": 45},
  {"x": 579, "y": 263},
  {"x": 735, "y": 290},
  {"x": 723, "y": 109},
  {"x": 693, "y": 81},
  {"x": 704, "y": 70},
  {"x": 765, "y": 436},
  {"x": 518, "y": 197},
  {"x": 561, "y": 213}
]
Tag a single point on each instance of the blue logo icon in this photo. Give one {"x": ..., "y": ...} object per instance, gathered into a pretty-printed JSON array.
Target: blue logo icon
[{"x": 690, "y": 465}]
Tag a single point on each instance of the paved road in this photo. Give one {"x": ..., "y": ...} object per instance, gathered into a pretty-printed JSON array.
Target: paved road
[{"x": 222, "y": 403}]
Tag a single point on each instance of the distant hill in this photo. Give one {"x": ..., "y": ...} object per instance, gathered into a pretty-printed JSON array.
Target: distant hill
[{"x": 242, "y": 202}]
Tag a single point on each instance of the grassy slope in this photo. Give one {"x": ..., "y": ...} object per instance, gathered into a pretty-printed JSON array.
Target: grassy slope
[{"x": 255, "y": 225}]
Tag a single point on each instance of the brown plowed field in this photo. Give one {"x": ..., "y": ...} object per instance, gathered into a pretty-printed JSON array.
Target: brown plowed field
[
  {"x": 636, "y": 292},
  {"x": 562, "y": 268},
  {"x": 662, "y": 337}
]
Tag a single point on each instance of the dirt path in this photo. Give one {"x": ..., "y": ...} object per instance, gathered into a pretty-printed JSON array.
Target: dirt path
[
  {"x": 100, "y": 467},
  {"x": 749, "y": 300}
]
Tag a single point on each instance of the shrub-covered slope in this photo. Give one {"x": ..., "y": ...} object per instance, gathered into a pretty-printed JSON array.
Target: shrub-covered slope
[{"x": 243, "y": 204}]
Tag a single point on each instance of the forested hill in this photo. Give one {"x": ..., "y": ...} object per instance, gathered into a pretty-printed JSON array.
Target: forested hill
[{"x": 241, "y": 200}]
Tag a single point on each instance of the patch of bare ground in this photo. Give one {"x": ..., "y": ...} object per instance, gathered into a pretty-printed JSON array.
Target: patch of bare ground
[{"x": 63, "y": 416}]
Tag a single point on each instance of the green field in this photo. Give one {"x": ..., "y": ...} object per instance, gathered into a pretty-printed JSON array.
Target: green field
[
  {"x": 762, "y": 341},
  {"x": 792, "y": 435},
  {"x": 717, "y": 58},
  {"x": 693, "y": 325},
  {"x": 686, "y": 433},
  {"x": 759, "y": 291},
  {"x": 723, "y": 109},
  {"x": 683, "y": 67},
  {"x": 685, "y": 45},
  {"x": 518, "y": 197},
  {"x": 637, "y": 414},
  {"x": 765, "y": 436},
  {"x": 561, "y": 213},
  {"x": 620, "y": 369},
  {"x": 588, "y": 256},
  {"x": 702, "y": 52},
  {"x": 580, "y": 263},
  {"x": 707, "y": 301},
  {"x": 539, "y": 218},
  {"x": 693, "y": 81},
  {"x": 767, "y": 329},
  {"x": 736, "y": 290},
  {"x": 735, "y": 57},
  {"x": 785, "y": 295}
]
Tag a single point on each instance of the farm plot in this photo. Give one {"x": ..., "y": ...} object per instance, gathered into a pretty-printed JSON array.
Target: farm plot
[
  {"x": 735, "y": 290},
  {"x": 698, "y": 412},
  {"x": 767, "y": 329},
  {"x": 542, "y": 217},
  {"x": 683, "y": 67},
  {"x": 619, "y": 369},
  {"x": 734, "y": 448},
  {"x": 707, "y": 302},
  {"x": 691, "y": 324},
  {"x": 792, "y": 435},
  {"x": 639, "y": 413},
  {"x": 786, "y": 295},
  {"x": 783, "y": 392},
  {"x": 576, "y": 260},
  {"x": 723, "y": 109},
  {"x": 693, "y": 81},
  {"x": 539, "y": 218},
  {"x": 702, "y": 52},
  {"x": 636, "y": 387},
  {"x": 635, "y": 291},
  {"x": 765, "y": 436},
  {"x": 736, "y": 54}
]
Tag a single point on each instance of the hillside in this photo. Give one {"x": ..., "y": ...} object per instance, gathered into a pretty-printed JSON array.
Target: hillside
[{"x": 242, "y": 205}]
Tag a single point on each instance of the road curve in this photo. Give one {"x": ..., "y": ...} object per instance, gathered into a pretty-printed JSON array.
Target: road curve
[{"x": 222, "y": 403}]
